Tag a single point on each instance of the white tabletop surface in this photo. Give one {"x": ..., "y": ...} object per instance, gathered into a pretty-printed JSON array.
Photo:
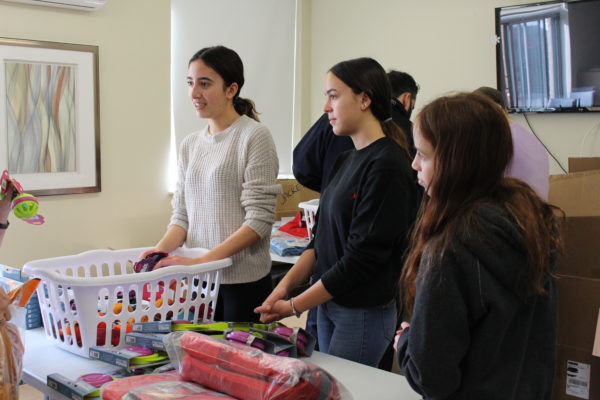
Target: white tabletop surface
[{"x": 42, "y": 358}]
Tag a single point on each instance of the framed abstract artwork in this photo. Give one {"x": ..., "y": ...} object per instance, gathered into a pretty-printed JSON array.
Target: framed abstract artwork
[{"x": 49, "y": 116}]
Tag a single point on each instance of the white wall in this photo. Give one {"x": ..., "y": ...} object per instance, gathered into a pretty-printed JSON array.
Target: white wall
[
  {"x": 445, "y": 45},
  {"x": 133, "y": 208},
  {"x": 262, "y": 33}
]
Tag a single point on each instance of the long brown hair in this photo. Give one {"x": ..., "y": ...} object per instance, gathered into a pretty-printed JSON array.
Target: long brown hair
[
  {"x": 228, "y": 64},
  {"x": 472, "y": 146},
  {"x": 365, "y": 75}
]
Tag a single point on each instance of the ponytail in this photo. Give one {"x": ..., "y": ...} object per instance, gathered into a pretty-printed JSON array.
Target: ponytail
[
  {"x": 397, "y": 134},
  {"x": 245, "y": 107}
]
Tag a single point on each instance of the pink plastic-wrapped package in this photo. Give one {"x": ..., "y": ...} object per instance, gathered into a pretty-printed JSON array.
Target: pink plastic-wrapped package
[{"x": 247, "y": 373}]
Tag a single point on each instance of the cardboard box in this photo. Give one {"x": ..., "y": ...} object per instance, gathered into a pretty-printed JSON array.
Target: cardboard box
[
  {"x": 584, "y": 164},
  {"x": 581, "y": 257},
  {"x": 578, "y": 194},
  {"x": 578, "y": 304},
  {"x": 292, "y": 195},
  {"x": 578, "y": 374},
  {"x": 578, "y": 284}
]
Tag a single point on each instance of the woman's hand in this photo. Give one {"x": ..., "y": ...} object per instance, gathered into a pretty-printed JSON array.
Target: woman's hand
[
  {"x": 146, "y": 253},
  {"x": 268, "y": 309},
  {"x": 178, "y": 260},
  {"x": 403, "y": 326},
  {"x": 5, "y": 203},
  {"x": 279, "y": 309}
]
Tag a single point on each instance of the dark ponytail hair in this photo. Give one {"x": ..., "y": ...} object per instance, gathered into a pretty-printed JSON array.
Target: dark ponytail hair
[
  {"x": 228, "y": 64},
  {"x": 365, "y": 75}
]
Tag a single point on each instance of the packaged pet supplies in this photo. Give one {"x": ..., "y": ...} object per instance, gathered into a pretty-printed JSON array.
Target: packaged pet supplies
[{"x": 93, "y": 298}]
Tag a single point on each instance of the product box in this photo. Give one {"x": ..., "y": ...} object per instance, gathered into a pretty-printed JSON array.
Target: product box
[
  {"x": 127, "y": 359},
  {"x": 152, "y": 341},
  {"x": 30, "y": 316},
  {"x": 578, "y": 283},
  {"x": 293, "y": 194},
  {"x": 69, "y": 388}
]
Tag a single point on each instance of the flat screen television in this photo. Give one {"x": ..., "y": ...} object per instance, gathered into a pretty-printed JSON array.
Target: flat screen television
[{"x": 548, "y": 56}]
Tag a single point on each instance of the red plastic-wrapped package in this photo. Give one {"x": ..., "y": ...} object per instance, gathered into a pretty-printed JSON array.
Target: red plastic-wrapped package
[
  {"x": 174, "y": 390},
  {"x": 248, "y": 373}
]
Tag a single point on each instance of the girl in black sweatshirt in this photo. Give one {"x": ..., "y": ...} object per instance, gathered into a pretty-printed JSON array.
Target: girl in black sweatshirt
[{"x": 363, "y": 221}]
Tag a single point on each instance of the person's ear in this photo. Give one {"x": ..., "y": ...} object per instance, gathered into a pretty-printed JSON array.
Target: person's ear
[
  {"x": 231, "y": 90},
  {"x": 406, "y": 100},
  {"x": 365, "y": 102}
]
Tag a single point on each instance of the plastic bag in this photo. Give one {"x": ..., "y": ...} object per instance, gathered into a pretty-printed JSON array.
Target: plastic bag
[
  {"x": 157, "y": 386},
  {"x": 247, "y": 373},
  {"x": 11, "y": 360},
  {"x": 174, "y": 390},
  {"x": 116, "y": 389}
]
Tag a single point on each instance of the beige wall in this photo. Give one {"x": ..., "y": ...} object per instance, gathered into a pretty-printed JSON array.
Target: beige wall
[
  {"x": 133, "y": 208},
  {"x": 444, "y": 45}
]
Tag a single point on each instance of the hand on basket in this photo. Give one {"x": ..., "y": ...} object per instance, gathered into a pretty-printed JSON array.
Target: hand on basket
[
  {"x": 146, "y": 253},
  {"x": 178, "y": 260}
]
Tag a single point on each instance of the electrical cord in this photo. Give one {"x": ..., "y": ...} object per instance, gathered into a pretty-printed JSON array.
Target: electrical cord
[{"x": 543, "y": 144}]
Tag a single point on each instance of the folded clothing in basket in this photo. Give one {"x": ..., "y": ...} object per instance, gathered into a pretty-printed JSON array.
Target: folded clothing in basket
[{"x": 247, "y": 373}]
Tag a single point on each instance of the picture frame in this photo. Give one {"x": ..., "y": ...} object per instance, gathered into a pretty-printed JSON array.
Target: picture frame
[{"x": 49, "y": 116}]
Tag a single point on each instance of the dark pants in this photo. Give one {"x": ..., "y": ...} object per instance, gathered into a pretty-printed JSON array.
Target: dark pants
[
  {"x": 237, "y": 302},
  {"x": 311, "y": 325}
]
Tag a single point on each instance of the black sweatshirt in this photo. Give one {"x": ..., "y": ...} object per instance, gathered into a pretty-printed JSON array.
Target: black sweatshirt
[
  {"x": 472, "y": 335},
  {"x": 363, "y": 221},
  {"x": 316, "y": 153}
]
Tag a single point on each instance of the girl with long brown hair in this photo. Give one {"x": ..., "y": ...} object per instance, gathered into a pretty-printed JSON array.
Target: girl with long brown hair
[{"x": 477, "y": 282}]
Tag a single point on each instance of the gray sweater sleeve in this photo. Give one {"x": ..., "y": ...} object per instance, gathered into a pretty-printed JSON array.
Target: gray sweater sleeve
[{"x": 259, "y": 190}]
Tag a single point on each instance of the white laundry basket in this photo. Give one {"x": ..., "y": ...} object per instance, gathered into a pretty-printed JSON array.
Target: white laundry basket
[
  {"x": 87, "y": 299},
  {"x": 310, "y": 211}
]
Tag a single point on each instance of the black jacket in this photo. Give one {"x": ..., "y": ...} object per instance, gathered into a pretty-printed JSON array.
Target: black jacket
[
  {"x": 475, "y": 332},
  {"x": 316, "y": 153}
]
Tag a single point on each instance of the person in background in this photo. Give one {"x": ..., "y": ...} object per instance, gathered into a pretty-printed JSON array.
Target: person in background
[
  {"x": 5, "y": 210},
  {"x": 530, "y": 159},
  {"x": 478, "y": 279},
  {"x": 226, "y": 190},
  {"x": 362, "y": 224},
  {"x": 315, "y": 154}
]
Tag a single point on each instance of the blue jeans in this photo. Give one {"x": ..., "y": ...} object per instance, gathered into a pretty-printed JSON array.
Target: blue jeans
[{"x": 356, "y": 334}]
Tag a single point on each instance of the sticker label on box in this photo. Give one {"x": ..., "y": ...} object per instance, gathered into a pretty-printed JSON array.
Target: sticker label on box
[{"x": 578, "y": 379}]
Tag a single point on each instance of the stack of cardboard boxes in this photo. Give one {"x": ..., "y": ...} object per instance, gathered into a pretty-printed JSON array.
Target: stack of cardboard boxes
[{"x": 578, "y": 285}]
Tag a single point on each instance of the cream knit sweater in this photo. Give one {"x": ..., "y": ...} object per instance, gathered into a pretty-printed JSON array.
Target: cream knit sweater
[{"x": 225, "y": 181}]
